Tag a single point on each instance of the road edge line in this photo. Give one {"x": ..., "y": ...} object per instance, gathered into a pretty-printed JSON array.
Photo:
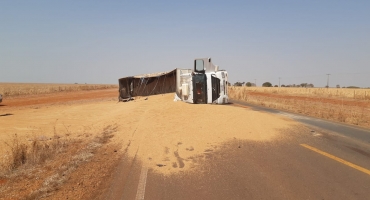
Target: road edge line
[{"x": 142, "y": 183}]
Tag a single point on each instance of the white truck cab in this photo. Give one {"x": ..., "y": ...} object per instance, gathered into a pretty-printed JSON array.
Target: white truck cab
[{"x": 205, "y": 84}]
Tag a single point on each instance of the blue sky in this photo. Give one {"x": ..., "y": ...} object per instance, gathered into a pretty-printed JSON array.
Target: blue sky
[{"x": 101, "y": 41}]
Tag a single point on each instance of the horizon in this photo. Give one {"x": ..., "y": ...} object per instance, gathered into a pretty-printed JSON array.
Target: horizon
[{"x": 232, "y": 84}]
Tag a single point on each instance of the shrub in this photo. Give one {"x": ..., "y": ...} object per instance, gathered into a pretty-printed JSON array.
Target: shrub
[{"x": 266, "y": 84}]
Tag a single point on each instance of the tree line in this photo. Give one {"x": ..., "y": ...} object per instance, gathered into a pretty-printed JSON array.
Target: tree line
[{"x": 268, "y": 84}]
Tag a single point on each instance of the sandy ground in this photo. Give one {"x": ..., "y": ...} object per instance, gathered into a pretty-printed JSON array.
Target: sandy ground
[{"x": 166, "y": 136}]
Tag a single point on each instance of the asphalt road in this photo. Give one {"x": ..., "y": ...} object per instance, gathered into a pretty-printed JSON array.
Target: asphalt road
[{"x": 321, "y": 160}]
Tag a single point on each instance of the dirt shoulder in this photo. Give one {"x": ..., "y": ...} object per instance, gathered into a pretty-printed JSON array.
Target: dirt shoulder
[{"x": 56, "y": 145}]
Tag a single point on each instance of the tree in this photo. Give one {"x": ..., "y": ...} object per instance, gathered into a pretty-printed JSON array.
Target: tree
[
  {"x": 248, "y": 84},
  {"x": 266, "y": 84},
  {"x": 338, "y": 86},
  {"x": 276, "y": 86},
  {"x": 239, "y": 84},
  {"x": 283, "y": 85}
]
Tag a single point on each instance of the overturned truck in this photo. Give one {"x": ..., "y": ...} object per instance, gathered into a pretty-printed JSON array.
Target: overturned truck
[{"x": 203, "y": 84}]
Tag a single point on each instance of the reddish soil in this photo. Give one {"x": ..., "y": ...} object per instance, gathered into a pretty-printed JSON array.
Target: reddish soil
[
  {"x": 91, "y": 180},
  {"x": 58, "y": 97},
  {"x": 2, "y": 181}
]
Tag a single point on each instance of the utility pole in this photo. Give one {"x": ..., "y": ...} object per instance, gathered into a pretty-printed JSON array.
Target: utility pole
[
  {"x": 327, "y": 84},
  {"x": 279, "y": 81}
]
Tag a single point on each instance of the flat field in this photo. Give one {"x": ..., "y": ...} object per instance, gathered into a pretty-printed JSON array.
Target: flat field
[
  {"x": 345, "y": 105},
  {"x": 346, "y": 93},
  {"x": 17, "y": 89}
]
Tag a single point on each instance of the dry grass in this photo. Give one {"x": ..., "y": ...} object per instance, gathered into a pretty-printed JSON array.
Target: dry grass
[
  {"x": 312, "y": 101},
  {"x": 53, "y": 182},
  {"x": 62, "y": 156},
  {"x": 31, "y": 153},
  {"x": 351, "y": 93},
  {"x": 17, "y": 89}
]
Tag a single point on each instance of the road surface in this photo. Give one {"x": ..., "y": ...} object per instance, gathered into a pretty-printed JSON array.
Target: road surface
[{"x": 316, "y": 160}]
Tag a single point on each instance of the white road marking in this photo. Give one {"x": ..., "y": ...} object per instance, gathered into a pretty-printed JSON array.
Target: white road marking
[{"x": 142, "y": 183}]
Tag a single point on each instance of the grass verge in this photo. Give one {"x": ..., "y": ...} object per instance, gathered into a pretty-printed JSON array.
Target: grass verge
[
  {"x": 35, "y": 169},
  {"x": 350, "y": 111}
]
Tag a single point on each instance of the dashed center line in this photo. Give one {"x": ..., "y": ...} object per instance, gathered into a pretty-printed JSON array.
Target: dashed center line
[{"x": 366, "y": 171}]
